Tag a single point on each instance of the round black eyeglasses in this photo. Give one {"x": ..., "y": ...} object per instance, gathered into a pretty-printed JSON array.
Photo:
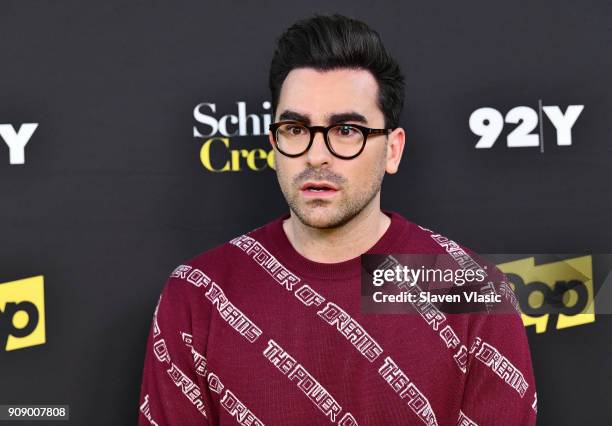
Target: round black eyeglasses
[{"x": 346, "y": 141}]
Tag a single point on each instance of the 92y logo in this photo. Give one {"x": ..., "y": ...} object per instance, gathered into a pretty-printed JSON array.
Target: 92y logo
[
  {"x": 488, "y": 123},
  {"x": 16, "y": 140}
]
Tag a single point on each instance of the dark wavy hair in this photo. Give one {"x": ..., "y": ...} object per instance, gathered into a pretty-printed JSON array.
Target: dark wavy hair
[{"x": 326, "y": 42}]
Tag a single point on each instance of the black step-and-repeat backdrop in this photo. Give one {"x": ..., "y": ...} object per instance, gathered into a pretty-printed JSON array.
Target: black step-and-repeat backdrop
[{"x": 132, "y": 137}]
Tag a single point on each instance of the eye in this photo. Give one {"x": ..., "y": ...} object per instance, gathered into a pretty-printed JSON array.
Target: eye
[
  {"x": 345, "y": 130},
  {"x": 295, "y": 130}
]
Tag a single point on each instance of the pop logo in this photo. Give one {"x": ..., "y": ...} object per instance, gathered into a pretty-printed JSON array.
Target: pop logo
[
  {"x": 22, "y": 313},
  {"x": 558, "y": 293}
]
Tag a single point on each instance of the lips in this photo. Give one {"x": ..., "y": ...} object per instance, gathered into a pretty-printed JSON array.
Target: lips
[
  {"x": 318, "y": 186},
  {"x": 318, "y": 190}
]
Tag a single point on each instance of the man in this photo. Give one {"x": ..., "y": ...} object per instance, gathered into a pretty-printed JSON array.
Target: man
[{"x": 267, "y": 328}]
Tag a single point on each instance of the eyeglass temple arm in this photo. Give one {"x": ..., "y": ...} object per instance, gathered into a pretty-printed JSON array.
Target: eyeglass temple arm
[{"x": 381, "y": 131}]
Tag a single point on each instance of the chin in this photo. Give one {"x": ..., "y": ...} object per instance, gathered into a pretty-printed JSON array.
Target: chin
[
  {"x": 321, "y": 217},
  {"x": 320, "y": 223}
]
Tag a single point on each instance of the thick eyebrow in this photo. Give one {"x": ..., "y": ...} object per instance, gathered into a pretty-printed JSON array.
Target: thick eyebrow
[
  {"x": 332, "y": 119},
  {"x": 292, "y": 115},
  {"x": 347, "y": 116}
]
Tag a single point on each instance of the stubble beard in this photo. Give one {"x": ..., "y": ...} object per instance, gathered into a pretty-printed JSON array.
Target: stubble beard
[{"x": 347, "y": 208}]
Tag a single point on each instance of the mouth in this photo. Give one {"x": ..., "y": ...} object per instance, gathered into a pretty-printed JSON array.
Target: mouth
[{"x": 318, "y": 189}]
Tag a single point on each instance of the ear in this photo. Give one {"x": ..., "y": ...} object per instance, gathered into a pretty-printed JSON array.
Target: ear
[{"x": 395, "y": 148}]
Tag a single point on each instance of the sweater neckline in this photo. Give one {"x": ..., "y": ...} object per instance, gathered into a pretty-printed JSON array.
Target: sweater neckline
[{"x": 291, "y": 258}]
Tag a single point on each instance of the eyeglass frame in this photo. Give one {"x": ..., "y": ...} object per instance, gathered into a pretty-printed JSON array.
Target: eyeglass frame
[{"x": 313, "y": 130}]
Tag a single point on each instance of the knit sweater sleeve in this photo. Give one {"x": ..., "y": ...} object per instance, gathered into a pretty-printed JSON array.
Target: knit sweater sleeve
[
  {"x": 500, "y": 384},
  {"x": 173, "y": 389}
]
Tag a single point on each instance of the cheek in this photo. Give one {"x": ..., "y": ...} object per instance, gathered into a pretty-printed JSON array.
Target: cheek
[
  {"x": 367, "y": 174},
  {"x": 284, "y": 172},
  {"x": 365, "y": 171}
]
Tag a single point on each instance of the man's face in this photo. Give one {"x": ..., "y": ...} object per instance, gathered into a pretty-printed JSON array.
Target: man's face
[{"x": 323, "y": 98}]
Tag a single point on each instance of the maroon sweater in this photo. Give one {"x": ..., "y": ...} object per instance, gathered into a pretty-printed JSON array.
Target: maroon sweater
[{"x": 251, "y": 333}]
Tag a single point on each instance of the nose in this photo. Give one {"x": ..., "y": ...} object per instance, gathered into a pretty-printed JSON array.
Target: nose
[{"x": 318, "y": 154}]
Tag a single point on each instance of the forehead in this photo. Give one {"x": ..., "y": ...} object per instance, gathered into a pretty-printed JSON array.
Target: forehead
[{"x": 320, "y": 94}]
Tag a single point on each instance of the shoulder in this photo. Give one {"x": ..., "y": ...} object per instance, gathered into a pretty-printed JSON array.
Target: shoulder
[
  {"x": 190, "y": 279},
  {"x": 217, "y": 262},
  {"x": 423, "y": 240},
  {"x": 431, "y": 241}
]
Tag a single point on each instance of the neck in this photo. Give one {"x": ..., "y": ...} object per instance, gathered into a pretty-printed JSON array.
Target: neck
[{"x": 338, "y": 244}]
